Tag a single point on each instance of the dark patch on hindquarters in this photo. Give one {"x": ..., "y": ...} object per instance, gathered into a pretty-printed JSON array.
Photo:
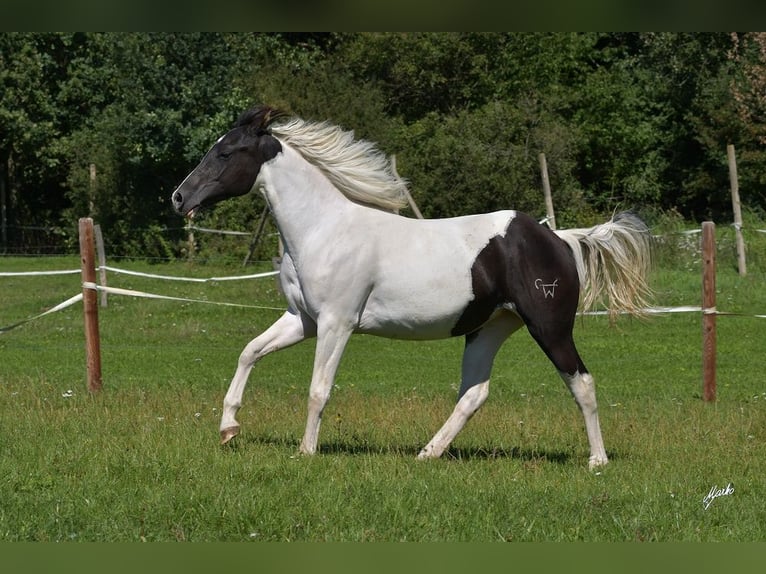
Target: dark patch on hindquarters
[
  {"x": 487, "y": 285},
  {"x": 533, "y": 270}
]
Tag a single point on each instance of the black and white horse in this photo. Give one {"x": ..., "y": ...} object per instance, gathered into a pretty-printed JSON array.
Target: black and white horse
[{"x": 351, "y": 265}]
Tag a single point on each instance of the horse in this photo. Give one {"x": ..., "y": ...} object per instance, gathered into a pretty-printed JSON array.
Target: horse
[{"x": 352, "y": 264}]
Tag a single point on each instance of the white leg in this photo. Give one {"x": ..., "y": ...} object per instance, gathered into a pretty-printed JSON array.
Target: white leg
[
  {"x": 479, "y": 354},
  {"x": 330, "y": 345},
  {"x": 289, "y": 329},
  {"x": 583, "y": 389},
  {"x": 465, "y": 408}
]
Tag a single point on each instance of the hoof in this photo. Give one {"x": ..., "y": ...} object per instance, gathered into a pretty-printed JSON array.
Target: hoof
[
  {"x": 426, "y": 453},
  {"x": 597, "y": 462},
  {"x": 229, "y": 433},
  {"x": 306, "y": 452}
]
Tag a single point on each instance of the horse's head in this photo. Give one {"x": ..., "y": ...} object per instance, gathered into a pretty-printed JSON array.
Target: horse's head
[{"x": 232, "y": 164}]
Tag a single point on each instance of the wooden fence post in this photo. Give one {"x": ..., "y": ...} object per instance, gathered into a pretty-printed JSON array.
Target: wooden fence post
[
  {"x": 92, "y": 189},
  {"x": 3, "y": 208},
  {"x": 189, "y": 240},
  {"x": 708, "y": 312},
  {"x": 547, "y": 192},
  {"x": 101, "y": 253},
  {"x": 737, "y": 208},
  {"x": 408, "y": 195},
  {"x": 256, "y": 236},
  {"x": 90, "y": 305}
]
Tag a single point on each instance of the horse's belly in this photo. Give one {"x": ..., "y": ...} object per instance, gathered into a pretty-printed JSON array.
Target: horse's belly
[
  {"x": 411, "y": 327},
  {"x": 417, "y": 313},
  {"x": 424, "y": 285}
]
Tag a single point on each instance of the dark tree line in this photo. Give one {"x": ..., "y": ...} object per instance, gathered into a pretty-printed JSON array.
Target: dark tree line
[{"x": 625, "y": 120}]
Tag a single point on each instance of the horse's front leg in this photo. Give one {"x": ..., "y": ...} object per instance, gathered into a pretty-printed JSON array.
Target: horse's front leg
[
  {"x": 289, "y": 329},
  {"x": 331, "y": 342}
]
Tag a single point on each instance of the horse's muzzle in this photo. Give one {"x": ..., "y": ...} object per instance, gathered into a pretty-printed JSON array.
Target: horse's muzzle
[
  {"x": 178, "y": 201},
  {"x": 178, "y": 204}
]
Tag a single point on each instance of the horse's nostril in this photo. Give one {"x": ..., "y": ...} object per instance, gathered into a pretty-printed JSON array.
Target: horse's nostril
[{"x": 176, "y": 198}]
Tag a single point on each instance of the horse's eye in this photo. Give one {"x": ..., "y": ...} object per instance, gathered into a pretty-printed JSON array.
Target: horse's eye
[{"x": 224, "y": 154}]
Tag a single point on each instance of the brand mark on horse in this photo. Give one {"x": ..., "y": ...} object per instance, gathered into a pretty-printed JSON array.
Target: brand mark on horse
[{"x": 549, "y": 289}]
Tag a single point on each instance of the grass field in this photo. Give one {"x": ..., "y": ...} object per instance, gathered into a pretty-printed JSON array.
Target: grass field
[{"x": 141, "y": 459}]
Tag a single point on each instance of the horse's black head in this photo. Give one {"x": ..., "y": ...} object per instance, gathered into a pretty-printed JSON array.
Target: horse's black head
[{"x": 232, "y": 164}]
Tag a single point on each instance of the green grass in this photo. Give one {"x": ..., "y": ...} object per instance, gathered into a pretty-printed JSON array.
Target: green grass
[{"x": 141, "y": 459}]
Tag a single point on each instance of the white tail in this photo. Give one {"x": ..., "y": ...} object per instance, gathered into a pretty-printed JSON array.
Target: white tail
[{"x": 613, "y": 262}]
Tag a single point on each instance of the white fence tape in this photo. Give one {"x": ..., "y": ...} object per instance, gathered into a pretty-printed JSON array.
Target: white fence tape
[
  {"x": 59, "y": 307},
  {"x": 38, "y": 273},
  {"x": 684, "y": 309},
  {"x": 139, "y": 274},
  {"x": 192, "y": 279},
  {"x": 219, "y": 231},
  {"x": 133, "y": 293},
  {"x": 724, "y": 313},
  {"x": 655, "y": 310},
  {"x": 142, "y": 294}
]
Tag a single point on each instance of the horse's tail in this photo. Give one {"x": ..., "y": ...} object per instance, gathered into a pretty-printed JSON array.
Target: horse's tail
[{"x": 613, "y": 262}]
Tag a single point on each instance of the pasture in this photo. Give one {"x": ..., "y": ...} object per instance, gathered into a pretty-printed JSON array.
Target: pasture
[{"x": 141, "y": 460}]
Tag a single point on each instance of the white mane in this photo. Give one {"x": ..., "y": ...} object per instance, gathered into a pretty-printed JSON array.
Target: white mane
[{"x": 356, "y": 167}]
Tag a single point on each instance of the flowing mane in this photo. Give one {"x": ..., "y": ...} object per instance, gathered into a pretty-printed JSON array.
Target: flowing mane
[{"x": 356, "y": 167}]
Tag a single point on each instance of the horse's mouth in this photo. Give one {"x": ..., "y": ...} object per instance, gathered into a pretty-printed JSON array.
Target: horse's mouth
[{"x": 192, "y": 213}]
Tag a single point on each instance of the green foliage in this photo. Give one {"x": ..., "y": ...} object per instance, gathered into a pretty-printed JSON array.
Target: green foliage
[
  {"x": 418, "y": 72},
  {"x": 626, "y": 120},
  {"x": 620, "y": 156},
  {"x": 486, "y": 159},
  {"x": 28, "y": 128}
]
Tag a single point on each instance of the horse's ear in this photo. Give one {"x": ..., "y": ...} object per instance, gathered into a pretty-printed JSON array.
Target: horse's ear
[{"x": 257, "y": 120}]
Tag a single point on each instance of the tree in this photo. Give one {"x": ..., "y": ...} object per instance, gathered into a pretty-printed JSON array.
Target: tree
[
  {"x": 163, "y": 99},
  {"x": 690, "y": 73},
  {"x": 748, "y": 89},
  {"x": 620, "y": 127},
  {"x": 28, "y": 131},
  {"x": 625, "y": 120},
  {"x": 487, "y": 159}
]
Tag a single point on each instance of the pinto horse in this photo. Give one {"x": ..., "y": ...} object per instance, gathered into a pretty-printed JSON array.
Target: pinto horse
[{"x": 352, "y": 265}]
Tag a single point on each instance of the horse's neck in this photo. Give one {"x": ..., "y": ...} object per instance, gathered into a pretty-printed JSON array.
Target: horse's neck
[{"x": 301, "y": 198}]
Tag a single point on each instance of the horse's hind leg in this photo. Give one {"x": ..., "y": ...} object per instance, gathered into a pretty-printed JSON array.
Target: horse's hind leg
[
  {"x": 558, "y": 344},
  {"x": 289, "y": 329},
  {"x": 583, "y": 390},
  {"x": 478, "y": 356}
]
